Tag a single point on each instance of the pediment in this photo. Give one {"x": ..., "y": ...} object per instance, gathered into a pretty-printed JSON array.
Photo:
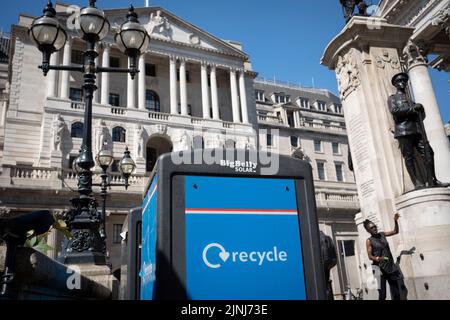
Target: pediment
[{"x": 165, "y": 26}]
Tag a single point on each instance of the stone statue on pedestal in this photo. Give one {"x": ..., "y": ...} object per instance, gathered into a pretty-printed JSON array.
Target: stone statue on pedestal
[
  {"x": 58, "y": 130},
  {"x": 349, "y": 8},
  {"x": 410, "y": 133}
]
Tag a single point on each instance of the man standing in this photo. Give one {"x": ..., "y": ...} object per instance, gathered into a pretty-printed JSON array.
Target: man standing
[
  {"x": 380, "y": 253},
  {"x": 329, "y": 260}
]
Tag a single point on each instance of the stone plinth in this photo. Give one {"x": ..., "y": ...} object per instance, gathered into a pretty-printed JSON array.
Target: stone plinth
[{"x": 425, "y": 225}]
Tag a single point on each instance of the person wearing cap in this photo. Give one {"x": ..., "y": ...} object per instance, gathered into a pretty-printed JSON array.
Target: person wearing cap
[{"x": 408, "y": 117}]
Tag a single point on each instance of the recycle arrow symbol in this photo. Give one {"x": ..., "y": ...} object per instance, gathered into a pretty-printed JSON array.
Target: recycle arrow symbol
[{"x": 224, "y": 255}]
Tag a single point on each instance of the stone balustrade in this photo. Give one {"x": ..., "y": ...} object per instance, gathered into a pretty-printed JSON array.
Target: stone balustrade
[{"x": 77, "y": 105}]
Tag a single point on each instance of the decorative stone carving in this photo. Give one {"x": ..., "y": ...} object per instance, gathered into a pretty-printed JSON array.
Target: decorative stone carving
[
  {"x": 249, "y": 145},
  {"x": 161, "y": 129},
  {"x": 140, "y": 141},
  {"x": 347, "y": 75},
  {"x": 102, "y": 135},
  {"x": 58, "y": 130},
  {"x": 385, "y": 58},
  {"x": 194, "y": 39},
  {"x": 414, "y": 54},
  {"x": 159, "y": 25},
  {"x": 185, "y": 143},
  {"x": 442, "y": 19}
]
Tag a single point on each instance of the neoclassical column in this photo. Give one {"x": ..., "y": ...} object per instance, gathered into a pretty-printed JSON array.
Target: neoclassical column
[
  {"x": 183, "y": 87},
  {"x": 422, "y": 88},
  {"x": 205, "y": 91},
  {"x": 173, "y": 85},
  {"x": 105, "y": 75},
  {"x": 52, "y": 84},
  {"x": 297, "y": 116},
  {"x": 296, "y": 119},
  {"x": 243, "y": 95},
  {"x": 234, "y": 96},
  {"x": 131, "y": 91},
  {"x": 214, "y": 95},
  {"x": 142, "y": 85},
  {"x": 65, "y": 75}
]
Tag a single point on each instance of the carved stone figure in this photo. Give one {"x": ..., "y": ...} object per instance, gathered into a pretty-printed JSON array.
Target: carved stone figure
[
  {"x": 103, "y": 134},
  {"x": 140, "y": 141},
  {"x": 347, "y": 75},
  {"x": 410, "y": 133},
  {"x": 348, "y": 6},
  {"x": 185, "y": 143},
  {"x": 58, "y": 130},
  {"x": 159, "y": 25}
]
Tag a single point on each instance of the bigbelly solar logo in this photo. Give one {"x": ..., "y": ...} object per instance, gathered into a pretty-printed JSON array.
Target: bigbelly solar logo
[{"x": 215, "y": 256}]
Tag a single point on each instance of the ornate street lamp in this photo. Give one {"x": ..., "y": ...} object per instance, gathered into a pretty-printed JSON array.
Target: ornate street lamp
[
  {"x": 104, "y": 160},
  {"x": 84, "y": 221}
]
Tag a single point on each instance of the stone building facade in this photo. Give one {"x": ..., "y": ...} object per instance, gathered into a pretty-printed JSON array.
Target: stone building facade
[{"x": 194, "y": 90}]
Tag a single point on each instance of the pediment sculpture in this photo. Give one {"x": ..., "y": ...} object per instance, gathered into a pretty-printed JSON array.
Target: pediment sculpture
[{"x": 159, "y": 25}]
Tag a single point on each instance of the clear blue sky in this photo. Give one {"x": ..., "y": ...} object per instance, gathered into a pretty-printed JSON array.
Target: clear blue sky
[{"x": 284, "y": 38}]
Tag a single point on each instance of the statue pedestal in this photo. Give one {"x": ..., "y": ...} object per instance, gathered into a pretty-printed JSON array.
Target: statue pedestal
[
  {"x": 425, "y": 225},
  {"x": 56, "y": 159},
  {"x": 141, "y": 166}
]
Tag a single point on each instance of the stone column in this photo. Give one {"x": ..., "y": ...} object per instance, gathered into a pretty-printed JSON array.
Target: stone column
[
  {"x": 131, "y": 91},
  {"x": 234, "y": 96},
  {"x": 297, "y": 116},
  {"x": 243, "y": 95},
  {"x": 65, "y": 75},
  {"x": 105, "y": 75},
  {"x": 173, "y": 86},
  {"x": 423, "y": 92},
  {"x": 52, "y": 84},
  {"x": 205, "y": 91},
  {"x": 183, "y": 87},
  {"x": 296, "y": 119},
  {"x": 214, "y": 95},
  {"x": 142, "y": 85}
]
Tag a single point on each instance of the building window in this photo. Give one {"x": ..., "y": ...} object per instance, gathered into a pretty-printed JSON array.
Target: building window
[
  {"x": 117, "y": 230},
  {"x": 294, "y": 141},
  {"x": 230, "y": 144},
  {"x": 318, "y": 146},
  {"x": 282, "y": 98},
  {"x": 114, "y": 99},
  {"x": 304, "y": 103},
  {"x": 76, "y": 131},
  {"x": 290, "y": 118},
  {"x": 150, "y": 70},
  {"x": 188, "y": 76},
  {"x": 338, "y": 108},
  {"x": 336, "y": 148},
  {"x": 321, "y": 106},
  {"x": 260, "y": 96},
  {"x": 115, "y": 166},
  {"x": 339, "y": 172},
  {"x": 152, "y": 101},
  {"x": 269, "y": 138},
  {"x": 77, "y": 57},
  {"x": 119, "y": 134},
  {"x": 76, "y": 94},
  {"x": 321, "y": 170},
  {"x": 114, "y": 62}
]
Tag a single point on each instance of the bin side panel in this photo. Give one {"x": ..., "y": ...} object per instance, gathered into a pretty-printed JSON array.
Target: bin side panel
[{"x": 148, "y": 253}]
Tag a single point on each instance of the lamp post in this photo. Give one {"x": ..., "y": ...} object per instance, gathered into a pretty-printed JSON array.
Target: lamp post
[
  {"x": 104, "y": 160},
  {"x": 84, "y": 221}
]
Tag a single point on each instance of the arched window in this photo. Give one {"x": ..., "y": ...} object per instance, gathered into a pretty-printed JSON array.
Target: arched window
[
  {"x": 230, "y": 144},
  {"x": 76, "y": 131},
  {"x": 119, "y": 134},
  {"x": 152, "y": 101},
  {"x": 294, "y": 141},
  {"x": 199, "y": 143}
]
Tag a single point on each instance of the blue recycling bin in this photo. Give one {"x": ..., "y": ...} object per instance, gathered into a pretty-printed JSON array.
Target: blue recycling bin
[{"x": 229, "y": 232}]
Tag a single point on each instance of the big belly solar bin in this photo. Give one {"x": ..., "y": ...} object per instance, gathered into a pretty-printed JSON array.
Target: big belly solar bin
[{"x": 230, "y": 231}]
